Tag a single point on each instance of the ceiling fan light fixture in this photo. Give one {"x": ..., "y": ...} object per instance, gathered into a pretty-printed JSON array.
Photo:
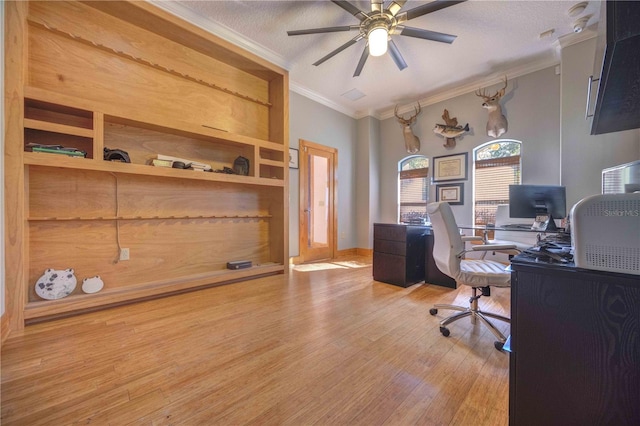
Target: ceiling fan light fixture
[{"x": 378, "y": 37}]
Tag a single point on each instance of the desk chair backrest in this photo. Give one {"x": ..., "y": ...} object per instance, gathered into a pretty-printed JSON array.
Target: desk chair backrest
[{"x": 447, "y": 243}]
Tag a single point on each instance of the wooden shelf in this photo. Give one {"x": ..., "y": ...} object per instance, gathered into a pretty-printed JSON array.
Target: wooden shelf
[
  {"x": 57, "y": 128},
  {"x": 47, "y": 309},
  {"x": 265, "y": 162},
  {"x": 55, "y": 160},
  {"x": 158, "y": 85},
  {"x": 171, "y": 126},
  {"x": 42, "y": 219}
]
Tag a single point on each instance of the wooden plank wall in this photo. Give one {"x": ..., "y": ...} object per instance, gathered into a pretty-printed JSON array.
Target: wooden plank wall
[{"x": 131, "y": 87}]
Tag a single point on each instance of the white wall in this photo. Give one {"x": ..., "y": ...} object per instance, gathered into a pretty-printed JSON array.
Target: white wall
[
  {"x": 532, "y": 107},
  {"x": 545, "y": 111},
  {"x": 317, "y": 123},
  {"x": 584, "y": 156},
  {"x": 367, "y": 185}
]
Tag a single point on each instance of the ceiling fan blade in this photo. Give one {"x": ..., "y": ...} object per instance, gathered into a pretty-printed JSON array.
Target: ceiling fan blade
[
  {"x": 395, "y": 6},
  {"x": 323, "y": 30},
  {"x": 426, "y": 8},
  {"x": 396, "y": 56},
  {"x": 339, "y": 49},
  {"x": 426, "y": 34},
  {"x": 363, "y": 59},
  {"x": 361, "y": 15}
]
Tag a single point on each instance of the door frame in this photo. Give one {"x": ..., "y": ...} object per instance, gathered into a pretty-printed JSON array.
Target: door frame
[{"x": 333, "y": 196}]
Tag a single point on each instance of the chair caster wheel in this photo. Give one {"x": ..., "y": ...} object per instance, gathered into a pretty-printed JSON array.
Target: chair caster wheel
[
  {"x": 498, "y": 345},
  {"x": 433, "y": 311},
  {"x": 445, "y": 331}
]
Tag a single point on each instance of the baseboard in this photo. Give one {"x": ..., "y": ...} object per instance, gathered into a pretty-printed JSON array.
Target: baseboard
[
  {"x": 364, "y": 252},
  {"x": 297, "y": 260},
  {"x": 355, "y": 252}
]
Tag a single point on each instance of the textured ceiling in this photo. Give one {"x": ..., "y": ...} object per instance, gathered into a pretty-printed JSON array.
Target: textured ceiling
[{"x": 494, "y": 38}]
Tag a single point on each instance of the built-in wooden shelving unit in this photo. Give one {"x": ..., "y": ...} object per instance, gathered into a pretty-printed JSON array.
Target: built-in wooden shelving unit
[{"x": 129, "y": 76}]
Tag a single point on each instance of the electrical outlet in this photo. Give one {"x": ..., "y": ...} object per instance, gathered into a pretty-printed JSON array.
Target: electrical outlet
[{"x": 124, "y": 254}]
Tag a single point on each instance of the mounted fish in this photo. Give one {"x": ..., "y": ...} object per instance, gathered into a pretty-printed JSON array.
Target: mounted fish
[
  {"x": 450, "y": 130},
  {"x": 411, "y": 141}
]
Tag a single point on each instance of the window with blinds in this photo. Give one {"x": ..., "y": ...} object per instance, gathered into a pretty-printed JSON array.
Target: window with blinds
[
  {"x": 413, "y": 180},
  {"x": 497, "y": 165}
]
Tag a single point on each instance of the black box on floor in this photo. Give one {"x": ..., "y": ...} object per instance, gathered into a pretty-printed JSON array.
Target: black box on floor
[{"x": 239, "y": 264}]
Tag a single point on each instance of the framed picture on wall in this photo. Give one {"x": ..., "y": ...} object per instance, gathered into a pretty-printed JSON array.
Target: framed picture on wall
[
  {"x": 452, "y": 193},
  {"x": 293, "y": 158},
  {"x": 450, "y": 167}
]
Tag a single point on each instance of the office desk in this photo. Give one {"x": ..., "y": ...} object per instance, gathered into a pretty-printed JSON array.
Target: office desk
[{"x": 575, "y": 337}]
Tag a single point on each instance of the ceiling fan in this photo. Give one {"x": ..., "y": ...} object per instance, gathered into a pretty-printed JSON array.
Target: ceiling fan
[{"x": 377, "y": 26}]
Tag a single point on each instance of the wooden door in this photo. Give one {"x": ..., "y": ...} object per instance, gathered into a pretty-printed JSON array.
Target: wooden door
[{"x": 317, "y": 201}]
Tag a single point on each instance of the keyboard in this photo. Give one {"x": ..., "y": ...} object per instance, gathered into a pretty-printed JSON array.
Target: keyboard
[
  {"x": 550, "y": 253},
  {"x": 516, "y": 226}
]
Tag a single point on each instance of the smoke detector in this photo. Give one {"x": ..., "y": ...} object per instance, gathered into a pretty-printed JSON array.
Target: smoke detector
[{"x": 580, "y": 24}]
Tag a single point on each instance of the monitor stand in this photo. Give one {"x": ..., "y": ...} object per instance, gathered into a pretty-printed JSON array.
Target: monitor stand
[{"x": 544, "y": 222}]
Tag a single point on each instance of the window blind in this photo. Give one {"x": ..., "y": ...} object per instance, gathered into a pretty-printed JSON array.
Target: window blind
[
  {"x": 414, "y": 194},
  {"x": 492, "y": 180}
]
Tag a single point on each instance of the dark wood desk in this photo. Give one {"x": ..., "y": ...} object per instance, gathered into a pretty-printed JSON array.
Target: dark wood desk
[
  {"x": 575, "y": 340},
  {"x": 402, "y": 256}
]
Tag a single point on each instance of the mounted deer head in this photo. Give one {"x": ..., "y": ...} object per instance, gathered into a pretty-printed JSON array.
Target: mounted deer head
[
  {"x": 497, "y": 124},
  {"x": 411, "y": 141}
]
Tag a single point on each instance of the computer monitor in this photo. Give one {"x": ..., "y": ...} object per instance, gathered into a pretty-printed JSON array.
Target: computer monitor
[{"x": 542, "y": 202}]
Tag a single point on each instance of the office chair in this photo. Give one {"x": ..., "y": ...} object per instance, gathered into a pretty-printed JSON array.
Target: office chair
[{"x": 479, "y": 274}]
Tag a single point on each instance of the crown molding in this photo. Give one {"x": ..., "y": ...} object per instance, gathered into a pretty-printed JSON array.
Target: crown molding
[
  {"x": 314, "y": 96},
  {"x": 221, "y": 31},
  {"x": 575, "y": 38},
  {"x": 473, "y": 85}
]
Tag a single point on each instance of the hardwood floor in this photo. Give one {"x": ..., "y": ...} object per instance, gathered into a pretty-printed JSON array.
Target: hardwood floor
[{"x": 328, "y": 346}]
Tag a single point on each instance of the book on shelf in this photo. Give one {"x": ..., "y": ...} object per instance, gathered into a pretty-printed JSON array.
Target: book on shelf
[{"x": 57, "y": 149}]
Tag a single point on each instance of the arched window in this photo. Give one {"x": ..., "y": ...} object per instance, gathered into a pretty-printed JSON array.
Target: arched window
[
  {"x": 413, "y": 183},
  {"x": 496, "y": 166}
]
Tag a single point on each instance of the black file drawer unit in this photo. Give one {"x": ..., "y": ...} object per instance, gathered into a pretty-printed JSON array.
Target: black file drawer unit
[{"x": 398, "y": 253}]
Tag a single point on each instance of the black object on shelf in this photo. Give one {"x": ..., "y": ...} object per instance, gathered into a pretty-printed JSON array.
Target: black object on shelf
[
  {"x": 116, "y": 155},
  {"x": 241, "y": 166},
  {"x": 239, "y": 264}
]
